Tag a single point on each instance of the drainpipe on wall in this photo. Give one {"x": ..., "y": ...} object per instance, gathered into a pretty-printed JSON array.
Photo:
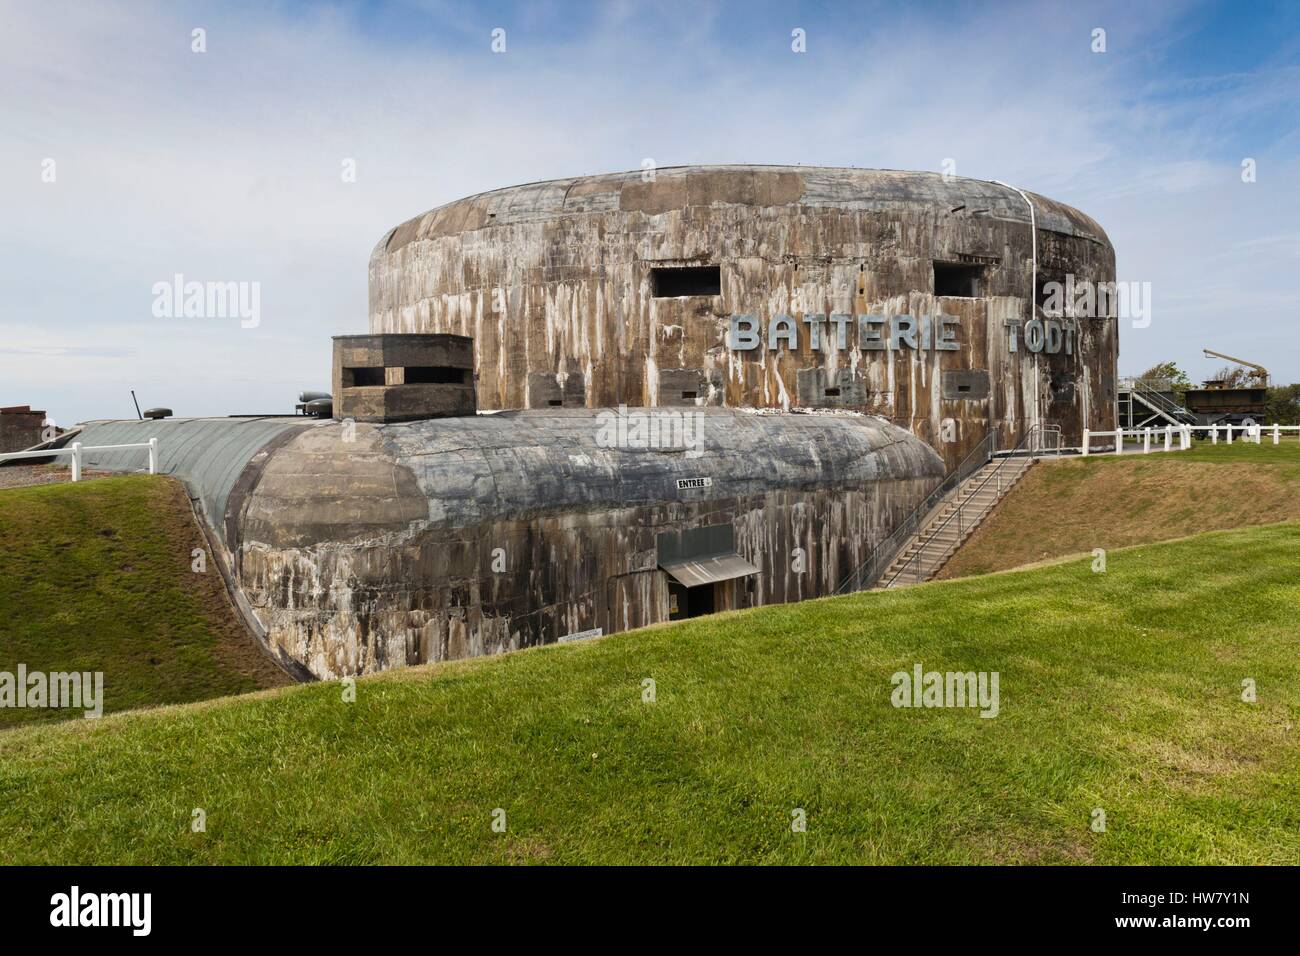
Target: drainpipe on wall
[{"x": 1033, "y": 290}]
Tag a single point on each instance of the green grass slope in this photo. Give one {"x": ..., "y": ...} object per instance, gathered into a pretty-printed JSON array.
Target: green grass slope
[
  {"x": 1120, "y": 691},
  {"x": 97, "y": 576},
  {"x": 1113, "y": 501}
]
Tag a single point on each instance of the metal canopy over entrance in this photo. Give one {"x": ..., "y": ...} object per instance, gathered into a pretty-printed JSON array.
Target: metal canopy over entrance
[
  {"x": 708, "y": 570},
  {"x": 702, "y": 556}
]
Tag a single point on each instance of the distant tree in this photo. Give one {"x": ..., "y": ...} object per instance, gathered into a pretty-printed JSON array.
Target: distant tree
[
  {"x": 1284, "y": 405},
  {"x": 1171, "y": 373}
]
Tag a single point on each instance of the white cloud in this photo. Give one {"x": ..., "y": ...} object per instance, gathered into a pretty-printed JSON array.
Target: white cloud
[{"x": 226, "y": 165}]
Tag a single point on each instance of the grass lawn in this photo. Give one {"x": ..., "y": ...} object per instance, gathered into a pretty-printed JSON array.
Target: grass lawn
[
  {"x": 1110, "y": 501},
  {"x": 1120, "y": 691},
  {"x": 96, "y": 577}
]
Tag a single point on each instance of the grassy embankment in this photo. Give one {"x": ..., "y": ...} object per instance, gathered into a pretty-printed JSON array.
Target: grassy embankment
[
  {"x": 1078, "y": 504},
  {"x": 97, "y": 576},
  {"x": 1120, "y": 691}
]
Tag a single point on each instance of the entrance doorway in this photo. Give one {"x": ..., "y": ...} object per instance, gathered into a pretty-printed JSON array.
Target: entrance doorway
[{"x": 684, "y": 602}]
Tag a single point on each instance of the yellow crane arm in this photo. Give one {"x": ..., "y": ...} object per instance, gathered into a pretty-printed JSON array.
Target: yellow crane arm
[{"x": 1263, "y": 372}]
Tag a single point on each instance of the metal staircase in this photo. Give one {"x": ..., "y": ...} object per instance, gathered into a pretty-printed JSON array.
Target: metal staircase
[
  {"x": 953, "y": 521},
  {"x": 950, "y": 512},
  {"x": 1143, "y": 403}
]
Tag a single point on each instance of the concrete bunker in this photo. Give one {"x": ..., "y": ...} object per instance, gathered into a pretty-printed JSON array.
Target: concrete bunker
[
  {"x": 455, "y": 537},
  {"x": 581, "y": 404},
  {"x": 361, "y": 546},
  {"x": 612, "y": 280}
]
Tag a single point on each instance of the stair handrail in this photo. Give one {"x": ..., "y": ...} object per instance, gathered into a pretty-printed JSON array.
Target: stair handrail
[
  {"x": 878, "y": 560},
  {"x": 1159, "y": 384},
  {"x": 1025, "y": 445},
  {"x": 1044, "y": 431},
  {"x": 1156, "y": 400}
]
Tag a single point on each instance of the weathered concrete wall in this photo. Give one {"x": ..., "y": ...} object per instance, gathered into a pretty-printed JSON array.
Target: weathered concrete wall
[
  {"x": 553, "y": 281},
  {"x": 458, "y": 537}
]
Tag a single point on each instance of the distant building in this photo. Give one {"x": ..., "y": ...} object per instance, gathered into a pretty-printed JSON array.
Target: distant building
[{"x": 20, "y": 427}]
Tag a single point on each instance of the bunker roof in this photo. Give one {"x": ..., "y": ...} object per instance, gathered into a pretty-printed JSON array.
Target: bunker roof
[
  {"x": 677, "y": 187},
  {"x": 512, "y": 464}
]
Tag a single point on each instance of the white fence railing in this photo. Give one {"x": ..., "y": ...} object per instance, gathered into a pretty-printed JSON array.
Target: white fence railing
[
  {"x": 1165, "y": 437},
  {"x": 76, "y": 450}
]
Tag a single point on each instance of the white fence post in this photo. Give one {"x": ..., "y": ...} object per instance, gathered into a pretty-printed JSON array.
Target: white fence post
[
  {"x": 1086, "y": 435},
  {"x": 1119, "y": 441},
  {"x": 1229, "y": 433},
  {"x": 1168, "y": 429},
  {"x": 1277, "y": 434},
  {"x": 1146, "y": 440},
  {"x": 76, "y": 451}
]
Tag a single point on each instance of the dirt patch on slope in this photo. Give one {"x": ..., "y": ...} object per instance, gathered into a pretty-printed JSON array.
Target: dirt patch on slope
[
  {"x": 235, "y": 646},
  {"x": 24, "y": 476}
]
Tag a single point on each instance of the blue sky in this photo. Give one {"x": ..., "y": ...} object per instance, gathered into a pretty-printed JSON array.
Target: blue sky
[{"x": 226, "y": 165}]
